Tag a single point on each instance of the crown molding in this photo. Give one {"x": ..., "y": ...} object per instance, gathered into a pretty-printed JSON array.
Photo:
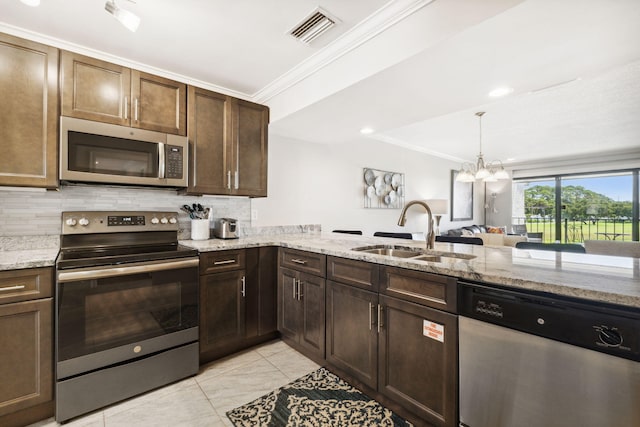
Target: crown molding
[{"x": 376, "y": 23}]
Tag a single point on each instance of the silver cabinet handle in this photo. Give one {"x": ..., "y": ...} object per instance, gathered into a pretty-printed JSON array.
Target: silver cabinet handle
[
  {"x": 243, "y": 286},
  {"x": 380, "y": 312},
  {"x": 294, "y": 288},
  {"x": 300, "y": 295},
  {"x": 226, "y": 261},
  {"x": 12, "y": 288},
  {"x": 135, "y": 111},
  {"x": 236, "y": 175},
  {"x": 100, "y": 273},
  {"x": 370, "y": 315},
  {"x": 126, "y": 107},
  {"x": 298, "y": 261},
  {"x": 229, "y": 180}
]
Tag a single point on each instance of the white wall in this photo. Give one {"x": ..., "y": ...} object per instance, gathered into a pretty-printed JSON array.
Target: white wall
[{"x": 323, "y": 184}]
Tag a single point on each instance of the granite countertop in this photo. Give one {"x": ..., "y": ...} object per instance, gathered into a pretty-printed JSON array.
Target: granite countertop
[
  {"x": 593, "y": 277},
  {"x": 28, "y": 252}
]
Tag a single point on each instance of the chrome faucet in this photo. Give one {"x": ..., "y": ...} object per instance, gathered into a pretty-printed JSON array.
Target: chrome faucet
[{"x": 431, "y": 237}]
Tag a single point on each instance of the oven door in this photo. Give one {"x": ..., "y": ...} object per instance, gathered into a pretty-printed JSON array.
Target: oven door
[{"x": 108, "y": 315}]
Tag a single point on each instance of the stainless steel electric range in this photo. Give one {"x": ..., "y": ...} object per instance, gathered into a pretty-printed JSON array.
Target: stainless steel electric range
[{"x": 126, "y": 308}]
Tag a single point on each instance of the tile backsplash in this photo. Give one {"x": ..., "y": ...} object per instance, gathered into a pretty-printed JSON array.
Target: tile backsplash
[{"x": 30, "y": 212}]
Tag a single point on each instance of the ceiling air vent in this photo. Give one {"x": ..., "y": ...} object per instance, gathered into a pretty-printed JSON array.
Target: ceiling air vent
[{"x": 313, "y": 26}]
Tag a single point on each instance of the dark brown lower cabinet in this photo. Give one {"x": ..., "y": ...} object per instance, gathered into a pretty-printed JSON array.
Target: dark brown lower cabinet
[
  {"x": 301, "y": 314},
  {"x": 237, "y": 300},
  {"x": 418, "y": 364},
  {"x": 401, "y": 345},
  {"x": 26, "y": 362},
  {"x": 352, "y": 335},
  {"x": 222, "y": 310}
]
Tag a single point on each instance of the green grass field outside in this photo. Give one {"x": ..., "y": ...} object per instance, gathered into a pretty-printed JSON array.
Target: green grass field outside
[{"x": 579, "y": 231}]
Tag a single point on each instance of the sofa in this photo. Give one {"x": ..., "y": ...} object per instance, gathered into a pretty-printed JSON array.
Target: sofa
[{"x": 490, "y": 235}]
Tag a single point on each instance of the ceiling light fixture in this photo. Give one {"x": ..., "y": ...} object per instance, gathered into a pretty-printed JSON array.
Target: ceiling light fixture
[
  {"x": 366, "y": 131},
  {"x": 500, "y": 91},
  {"x": 129, "y": 19},
  {"x": 32, "y": 3},
  {"x": 491, "y": 171}
]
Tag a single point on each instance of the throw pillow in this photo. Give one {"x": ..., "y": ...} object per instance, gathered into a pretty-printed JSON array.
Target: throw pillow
[
  {"x": 496, "y": 230},
  {"x": 467, "y": 233}
]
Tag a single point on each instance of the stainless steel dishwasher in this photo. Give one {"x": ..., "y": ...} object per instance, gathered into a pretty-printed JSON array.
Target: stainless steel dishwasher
[{"x": 528, "y": 359}]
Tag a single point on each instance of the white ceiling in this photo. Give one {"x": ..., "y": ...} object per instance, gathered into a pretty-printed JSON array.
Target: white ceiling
[{"x": 414, "y": 70}]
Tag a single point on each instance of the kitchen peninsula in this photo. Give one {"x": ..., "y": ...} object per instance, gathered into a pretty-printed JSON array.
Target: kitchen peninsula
[{"x": 597, "y": 278}]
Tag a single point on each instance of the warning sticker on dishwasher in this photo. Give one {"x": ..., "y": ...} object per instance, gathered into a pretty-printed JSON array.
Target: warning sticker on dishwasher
[{"x": 433, "y": 330}]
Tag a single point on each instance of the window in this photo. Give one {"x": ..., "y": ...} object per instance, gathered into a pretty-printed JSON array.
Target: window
[{"x": 575, "y": 208}]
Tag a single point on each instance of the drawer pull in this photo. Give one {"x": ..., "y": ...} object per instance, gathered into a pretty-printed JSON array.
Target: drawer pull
[
  {"x": 12, "y": 288},
  {"x": 227, "y": 261},
  {"x": 244, "y": 288},
  {"x": 298, "y": 261}
]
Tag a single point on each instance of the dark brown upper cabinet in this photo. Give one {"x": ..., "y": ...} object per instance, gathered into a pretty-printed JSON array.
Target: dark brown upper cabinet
[
  {"x": 98, "y": 90},
  {"x": 28, "y": 113},
  {"x": 228, "y": 145}
]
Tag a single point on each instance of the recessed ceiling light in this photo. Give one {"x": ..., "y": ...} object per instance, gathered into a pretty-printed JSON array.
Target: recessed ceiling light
[
  {"x": 510, "y": 159},
  {"x": 500, "y": 91},
  {"x": 366, "y": 131},
  {"x": 32, "y": 3}
]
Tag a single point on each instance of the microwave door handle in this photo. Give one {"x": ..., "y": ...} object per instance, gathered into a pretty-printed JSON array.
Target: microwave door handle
[{"x": 161, "y": 160}]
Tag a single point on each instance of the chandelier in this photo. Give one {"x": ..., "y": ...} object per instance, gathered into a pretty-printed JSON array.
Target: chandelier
[{"x": 490, "y": 171}]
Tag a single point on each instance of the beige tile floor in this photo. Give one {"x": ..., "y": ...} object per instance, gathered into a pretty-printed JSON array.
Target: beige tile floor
[{"x": 204, "y": 399}]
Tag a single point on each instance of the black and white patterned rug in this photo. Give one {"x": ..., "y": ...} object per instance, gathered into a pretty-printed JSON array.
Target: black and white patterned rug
[{"x": 318, "y": 399}]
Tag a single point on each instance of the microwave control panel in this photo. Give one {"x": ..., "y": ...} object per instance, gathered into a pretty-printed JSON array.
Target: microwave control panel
[{"x": 174, "y": 159}]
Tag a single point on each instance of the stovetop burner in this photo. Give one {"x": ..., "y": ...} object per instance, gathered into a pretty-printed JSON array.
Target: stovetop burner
[{"x": 91, "y": 239}]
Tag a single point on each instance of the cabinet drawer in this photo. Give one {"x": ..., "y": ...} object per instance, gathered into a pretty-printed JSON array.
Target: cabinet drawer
[
  {"x": 428, "y": 289},
  {"x": 308, "y": 262},
  {"x": 215, "y": 262},
  {"x": 27, "y": 284},
  {"x": 356, "y": 273}
]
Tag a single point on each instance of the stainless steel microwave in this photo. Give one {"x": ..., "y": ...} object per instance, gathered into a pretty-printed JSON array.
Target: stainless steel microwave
[{"x": 111, "y": 154}]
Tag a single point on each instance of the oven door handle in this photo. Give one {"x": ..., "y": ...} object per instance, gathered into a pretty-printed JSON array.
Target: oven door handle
[{"x": 101, "y": 273}]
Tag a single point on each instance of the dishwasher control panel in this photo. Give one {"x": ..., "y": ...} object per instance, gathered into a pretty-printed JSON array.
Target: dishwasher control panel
[{"x": 609, "y": 329}]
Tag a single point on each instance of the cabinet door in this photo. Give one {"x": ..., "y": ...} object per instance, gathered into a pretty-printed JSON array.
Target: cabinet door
[
  {"x": 311, "y": 297},
  {"x": 95, "y": 90},
  {"x": 261, "y": 286},
  {"x": 352, "y": 336},
  {"x": 26, "y": 359},
  {"x": 158, "y": 104},
  {"x": 418, "y": 364},
  {"x": 289, "y": 308},
  {"x": 222, "y": 310},
  {"x": 28, "y": 113},
  {"x": 209, "y": 153},
  {"x": 250, "y": 135}
]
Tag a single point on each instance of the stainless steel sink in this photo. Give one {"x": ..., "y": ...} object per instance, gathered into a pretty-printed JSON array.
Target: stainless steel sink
[
  {"x": 413, "y": 253},
  {"x": 394, "y": 252}
]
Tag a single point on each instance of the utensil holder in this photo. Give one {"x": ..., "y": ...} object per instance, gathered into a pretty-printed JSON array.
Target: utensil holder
[{"x": 200, "y": 229}]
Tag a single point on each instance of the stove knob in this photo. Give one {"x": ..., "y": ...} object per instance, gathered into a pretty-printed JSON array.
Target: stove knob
[
  {"x": 83, "y": 221},
  {"x": 154, "y": 220},
  {"x": 71, "y": 222},
  {"x": 610, "y": 337},
  {"x": 172, "y": 220},
  {"x": 164, "y": 220}
]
